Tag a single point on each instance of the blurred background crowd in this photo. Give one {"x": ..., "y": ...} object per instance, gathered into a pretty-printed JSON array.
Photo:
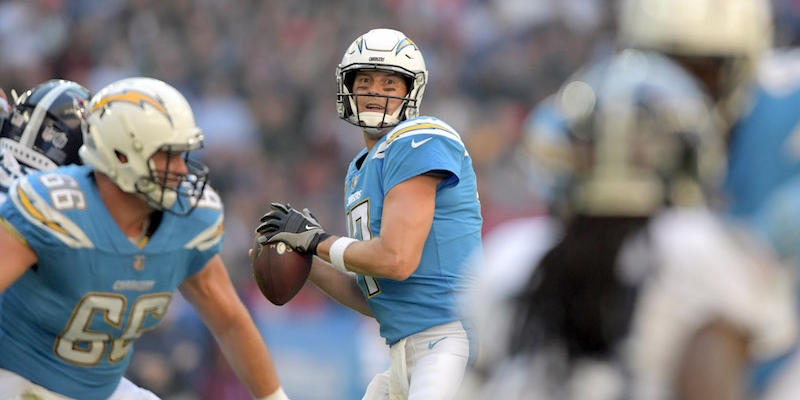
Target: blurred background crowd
[{"x": 260, "y": 77}]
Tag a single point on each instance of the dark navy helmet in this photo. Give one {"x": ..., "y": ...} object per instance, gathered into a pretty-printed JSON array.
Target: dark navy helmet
[{"x": 43, "y": 130}]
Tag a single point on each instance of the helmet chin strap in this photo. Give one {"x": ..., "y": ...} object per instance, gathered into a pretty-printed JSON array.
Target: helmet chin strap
[{"x": 377, "y": 124}]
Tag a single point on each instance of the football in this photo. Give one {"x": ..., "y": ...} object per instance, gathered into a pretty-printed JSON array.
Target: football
[{"x": 279, "y": 270}]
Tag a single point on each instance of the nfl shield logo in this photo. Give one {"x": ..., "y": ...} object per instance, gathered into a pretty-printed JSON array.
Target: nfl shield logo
[{"x": 138, "y": 262}]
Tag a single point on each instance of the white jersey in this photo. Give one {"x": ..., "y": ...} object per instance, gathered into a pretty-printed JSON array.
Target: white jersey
[{"x": 702, "y": 271}]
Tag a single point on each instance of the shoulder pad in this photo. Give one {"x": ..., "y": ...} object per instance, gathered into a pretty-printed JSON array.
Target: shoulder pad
[{"x": 33, "y": 196}]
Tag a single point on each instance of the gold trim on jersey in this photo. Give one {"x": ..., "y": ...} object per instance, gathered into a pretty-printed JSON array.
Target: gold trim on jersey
[
  {"x": 426, "y": 125},
  {"x": 33, "y": 212},
  {"x": 13, "y": 230},
  {"x": 41, "y": 214},
  {"x": 209, "y": 237}
]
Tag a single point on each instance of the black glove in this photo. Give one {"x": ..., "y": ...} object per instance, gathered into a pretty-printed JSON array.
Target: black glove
[{"x": 301, "y": 231}]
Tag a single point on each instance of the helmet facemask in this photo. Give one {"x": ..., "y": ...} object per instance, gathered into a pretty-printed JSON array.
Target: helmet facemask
[
  {"x": 170, "y": 190},
  {"x": 378, "y": 122},
  {"x": 641, "y": 134}
]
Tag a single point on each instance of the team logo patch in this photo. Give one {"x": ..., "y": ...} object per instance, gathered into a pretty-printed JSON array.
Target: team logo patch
[{"x": 403, "y": 44}]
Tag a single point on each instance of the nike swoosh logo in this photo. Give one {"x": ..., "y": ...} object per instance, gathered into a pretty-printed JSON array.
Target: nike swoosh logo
[
  {"x": 431, "y": 344},
  {"x": 415, "y": 144},
  {"x": 309, "y": 227}
]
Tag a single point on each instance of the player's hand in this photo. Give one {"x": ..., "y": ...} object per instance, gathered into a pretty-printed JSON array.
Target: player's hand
[{"x": 301, "y": 231}]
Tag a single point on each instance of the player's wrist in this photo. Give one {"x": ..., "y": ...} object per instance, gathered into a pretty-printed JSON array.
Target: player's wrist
[
  {"x": 318, "y": 238},
  {"x": 336, "y": 252},
  {"x": 276, "y": 395}
]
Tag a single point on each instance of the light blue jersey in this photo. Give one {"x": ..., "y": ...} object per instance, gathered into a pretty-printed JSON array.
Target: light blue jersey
[
  {"x": 763, "y": 179},
  {"x": 778, "y": 220},
  {"x": 69, "y": 323},
  {"x": 764, "y": 149},
  {"x": 429, "y": 296}
]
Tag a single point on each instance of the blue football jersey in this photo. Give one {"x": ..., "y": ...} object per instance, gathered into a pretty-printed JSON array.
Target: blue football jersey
[
  {"x": 778, "y": 220},
  {"x": 69, "y": 323},
  {"x": 764, "y": 149},
  {"x": 429, "y": 297},
  {"x": 763, "y": 179}
]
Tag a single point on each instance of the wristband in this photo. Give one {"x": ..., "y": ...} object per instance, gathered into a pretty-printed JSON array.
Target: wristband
[
  {"x": 276, "y": 395},
  {"x": 337, "y": 252}
]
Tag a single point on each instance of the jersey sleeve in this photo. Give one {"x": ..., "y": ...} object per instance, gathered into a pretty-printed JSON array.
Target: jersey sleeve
[
  {"x": 35, "y": 207},
  {"x": 422, "y": 147},
  {"x": 209, "y": 220}
]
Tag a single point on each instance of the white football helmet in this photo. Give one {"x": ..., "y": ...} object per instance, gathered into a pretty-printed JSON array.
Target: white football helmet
[
  {"x": 130, "y": 120},
  {"x": 736, "y": 32},
  {"x": 386, "y": 50},
  {"x": 641, "y": 134}
]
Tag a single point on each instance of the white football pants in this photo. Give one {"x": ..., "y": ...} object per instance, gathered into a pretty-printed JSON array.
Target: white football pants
[
  {"x": 15, "y": 387},
  {"x": 428, "y": 365}
]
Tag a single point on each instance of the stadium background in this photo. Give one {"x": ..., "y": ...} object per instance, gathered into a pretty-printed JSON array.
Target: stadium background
[{"x": 260, "y": 77}]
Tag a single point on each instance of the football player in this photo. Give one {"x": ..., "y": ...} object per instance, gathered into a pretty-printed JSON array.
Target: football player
[
  {"x": 413, "y": 218},
  {"x": 42, "y": 130},
  {"x": 755, "y": 88},
  {"x": 93, "y": 253},
  {"x": 634, "y": 289},
  {"x": 709, "y": 45},
  {"x": 763, "y": 156}
]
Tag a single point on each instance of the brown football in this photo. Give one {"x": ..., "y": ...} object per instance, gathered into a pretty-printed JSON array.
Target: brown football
[{"x": 279, "y": 270}]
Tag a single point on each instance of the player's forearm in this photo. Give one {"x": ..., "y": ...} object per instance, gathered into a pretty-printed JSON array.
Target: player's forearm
[
  {"x": 378, "y": 258},
  {"x": 222, "y": 311},
  {"x": 340, "y": 286},
  {"x": 248, "y": 355}
]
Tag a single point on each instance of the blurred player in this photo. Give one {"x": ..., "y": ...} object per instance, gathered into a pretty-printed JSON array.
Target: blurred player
[
  {"x": 706, "y": 38},
  {"x": 756, "y": 87},
  {"x": 634, "y": 288},
  {"x": 42, "y": 130},
  {"x": 777, "y": 221},
  {"x": 93, "y": 253},
  {"x": 763, "y": 143},
  {"x": 765, "y": 180},
  {"x": 413, "y": 218}
]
